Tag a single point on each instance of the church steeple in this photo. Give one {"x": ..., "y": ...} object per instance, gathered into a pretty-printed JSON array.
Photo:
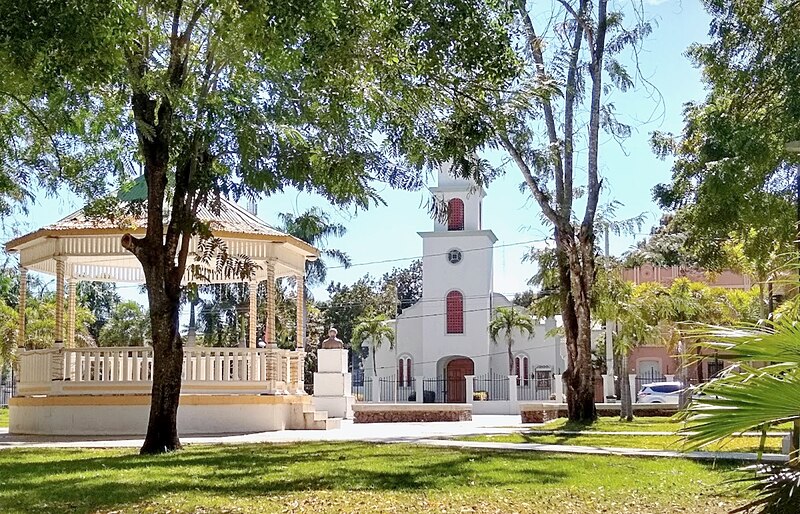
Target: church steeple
[{"x": 464, "y": 201}]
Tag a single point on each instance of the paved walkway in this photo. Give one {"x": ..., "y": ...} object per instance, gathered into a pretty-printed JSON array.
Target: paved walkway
[
  {"x": 373, "y": 432},
  {"x": 431, "y": 434}
]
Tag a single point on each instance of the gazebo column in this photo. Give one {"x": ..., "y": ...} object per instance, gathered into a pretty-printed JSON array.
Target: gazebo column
[
  {"x": 59, "y": 332},
  {"x": 269, "y": 329},
  {"x": 301, "y": 308},
  {"x": 252, "y": 318},
  {"x": 23, "y": 296},
  {"x": 72, "y": 298}
]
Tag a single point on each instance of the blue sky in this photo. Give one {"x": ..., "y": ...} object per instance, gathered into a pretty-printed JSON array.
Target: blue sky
[{"x": 630, "y": 171}]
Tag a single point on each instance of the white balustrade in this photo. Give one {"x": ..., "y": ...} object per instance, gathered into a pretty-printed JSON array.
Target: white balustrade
[{"x": 206, "y": 370}]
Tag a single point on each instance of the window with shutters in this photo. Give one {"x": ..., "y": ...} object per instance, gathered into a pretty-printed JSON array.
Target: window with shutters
[
  {"x": 521, "y": 369},
  {"x": 455, "y": 214},
  {"x": 455, "y": 313}
]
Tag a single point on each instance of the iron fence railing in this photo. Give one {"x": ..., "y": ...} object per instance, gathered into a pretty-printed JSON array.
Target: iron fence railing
[
  {"x": 8, "y": 388},
  {"x": 437, "y": 390},
  {"x": 394, "y": 390},
  {"x": 534, "y": 389},
  {"x": 363, "y": 389},
  {"x": 490, "y": 387}
]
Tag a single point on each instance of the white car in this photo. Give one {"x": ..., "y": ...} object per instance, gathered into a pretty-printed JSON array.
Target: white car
[{"x": 660, "y": 392}]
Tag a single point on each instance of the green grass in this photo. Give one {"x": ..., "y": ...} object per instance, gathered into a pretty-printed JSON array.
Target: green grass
[
  {"x": 613, "y": 424},
  {"x": 623, "y": 437},
  {"x": 3, "y": 417},
  {"x": 358, "y": 478},
  {"x": 650, "y": 442}
]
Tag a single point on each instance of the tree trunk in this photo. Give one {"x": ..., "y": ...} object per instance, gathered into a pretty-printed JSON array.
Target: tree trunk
[
  {"x": 575, "y": 283},
  {"x": 162, "y": 428},
  {"x": 510, "y": 360},
  {"x": 373, "y": 351},
  {"x": 626, "y": 401}
]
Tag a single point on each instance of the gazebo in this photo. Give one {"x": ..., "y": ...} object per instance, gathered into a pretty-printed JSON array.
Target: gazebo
[{"x": 65, "y": 390}]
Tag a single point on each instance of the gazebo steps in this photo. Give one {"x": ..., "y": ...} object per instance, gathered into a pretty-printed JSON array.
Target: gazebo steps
[{"x": 318, "y": 419}]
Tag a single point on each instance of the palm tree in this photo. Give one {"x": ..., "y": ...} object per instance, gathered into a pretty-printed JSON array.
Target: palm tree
[
  {"x": 315, "y": 227},
  {"x": 373, "y": 329},
  {"x": 507, "y": 319},
  {"x": 745, "y": 398}
]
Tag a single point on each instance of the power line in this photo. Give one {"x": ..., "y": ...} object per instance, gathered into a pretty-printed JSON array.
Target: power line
[{"x": 398, "y": 259}]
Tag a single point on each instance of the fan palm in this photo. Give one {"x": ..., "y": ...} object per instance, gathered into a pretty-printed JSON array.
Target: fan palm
[
  {"x": 506, "y": 320},
  {"x": 746, "y": 398},
  {"x": 374, "y": 329}
]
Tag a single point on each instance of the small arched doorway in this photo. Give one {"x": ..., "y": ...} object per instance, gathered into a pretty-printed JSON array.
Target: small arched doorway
[{"x": 455, "y": 371}]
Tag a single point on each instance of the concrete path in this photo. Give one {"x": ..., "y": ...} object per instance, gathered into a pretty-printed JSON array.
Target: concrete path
[
  {"x": 431, "y": 434},
  {"x": 373, "y": 432}
]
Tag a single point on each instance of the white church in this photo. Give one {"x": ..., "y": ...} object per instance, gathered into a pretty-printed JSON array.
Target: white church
[{"x": 445, "y": 335}]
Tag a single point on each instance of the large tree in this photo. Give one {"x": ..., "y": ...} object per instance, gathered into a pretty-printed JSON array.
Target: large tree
[
  {"x": 558, "y": 105},
  {"x": 733, "y": 176},
  {"x": 241, "y": 99}
]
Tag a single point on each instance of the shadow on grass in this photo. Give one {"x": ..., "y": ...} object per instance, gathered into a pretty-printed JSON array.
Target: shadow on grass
[{"x": 87, "y": 480}]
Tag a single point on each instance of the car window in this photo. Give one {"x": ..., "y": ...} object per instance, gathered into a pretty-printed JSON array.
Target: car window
[{"x": 666, "y": 388}]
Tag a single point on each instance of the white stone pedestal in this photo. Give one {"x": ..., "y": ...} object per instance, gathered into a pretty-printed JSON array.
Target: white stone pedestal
[{"x": 333, "y": 384}]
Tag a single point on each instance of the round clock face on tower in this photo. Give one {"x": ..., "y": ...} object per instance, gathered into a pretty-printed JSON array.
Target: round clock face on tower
[{"x": 454, "y": 256}]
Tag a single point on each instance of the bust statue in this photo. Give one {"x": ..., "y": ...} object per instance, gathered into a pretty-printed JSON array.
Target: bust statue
[{"x": 333, "y": 342}]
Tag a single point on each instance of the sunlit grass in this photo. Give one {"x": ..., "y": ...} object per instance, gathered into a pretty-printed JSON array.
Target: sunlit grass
[{"x": 354, "y": 477}]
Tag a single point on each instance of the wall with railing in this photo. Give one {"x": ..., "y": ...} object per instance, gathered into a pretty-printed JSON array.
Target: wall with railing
[{"x": 59, "y": 371}]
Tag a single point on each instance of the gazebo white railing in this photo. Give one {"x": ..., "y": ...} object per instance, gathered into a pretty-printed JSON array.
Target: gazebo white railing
[{"x": 129, "y": 370}]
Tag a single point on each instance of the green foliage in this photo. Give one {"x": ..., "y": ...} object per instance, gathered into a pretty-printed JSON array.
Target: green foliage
[
  {"x": 506, "y": 320},
  {"x": 128, "y": 325},
  {"x": 101, "y": 299},
  {"x": 363, "y": 299},
  {"x": 749, "y": 398},
  {"x": 374, "y": 330},
  {"x": 315, "y": 227},
  {"x": 40, "y": 323},
  {"x": 407, "y": 282},
  {"x": 732, "y": 174}
]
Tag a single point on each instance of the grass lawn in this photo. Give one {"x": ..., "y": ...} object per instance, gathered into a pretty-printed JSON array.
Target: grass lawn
[
  {"x": 639, "y": 424},
  {"x": 613, "y": 424},
  {"x": 357, "y": 478},
  {"x": 650, "y": 442},
  {"x": 3, "y": 417},
  {"x": 624, "y": 439}
]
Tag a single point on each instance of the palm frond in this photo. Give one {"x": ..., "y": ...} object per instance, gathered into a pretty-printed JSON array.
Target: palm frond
[
  {"x": 777, "y": 489},
  {"x": 778, "y": 341},
  {"x": 742, "y": 401}
]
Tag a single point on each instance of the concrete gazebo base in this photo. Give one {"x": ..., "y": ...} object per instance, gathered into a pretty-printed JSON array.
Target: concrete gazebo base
[{"x": 127, "y": 415}]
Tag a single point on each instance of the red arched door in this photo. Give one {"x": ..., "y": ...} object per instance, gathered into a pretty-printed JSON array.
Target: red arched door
[{"x": 456, "y": 370}]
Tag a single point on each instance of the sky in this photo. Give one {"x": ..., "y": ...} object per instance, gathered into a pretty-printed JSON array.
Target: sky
[{"x": 629, "y": 171}]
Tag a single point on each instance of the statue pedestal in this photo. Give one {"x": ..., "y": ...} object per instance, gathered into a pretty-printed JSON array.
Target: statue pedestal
[{"x": 333, "y": 384}]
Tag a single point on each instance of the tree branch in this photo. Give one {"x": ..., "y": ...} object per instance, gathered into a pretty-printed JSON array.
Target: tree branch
[
  {"x": 565, "y": 206},
  {"x": 593, "y": 182},
  {"x": 533, "y": 183},
  {"x": 534, "y": 43}
]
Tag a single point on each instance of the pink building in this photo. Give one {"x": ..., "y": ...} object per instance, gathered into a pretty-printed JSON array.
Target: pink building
[{"x": 656, "y": 360}]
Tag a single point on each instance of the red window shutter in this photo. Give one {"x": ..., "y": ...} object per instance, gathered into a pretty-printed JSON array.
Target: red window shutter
[
  {"x": 400, "y": 371},
  {"x": 455, "y": 313},
  {"x": 455, "y": 214},
  {"x": 525, "y": 369},
  {"x": 408, "y": 371}
]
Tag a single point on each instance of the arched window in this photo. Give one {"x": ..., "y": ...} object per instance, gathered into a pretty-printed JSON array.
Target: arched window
[
  {"x": 455, "y": 313},
  {"x": 455, "y": 214},
  {"x": 521, "y": 369},
  {"x": 404, "y": 375}
]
